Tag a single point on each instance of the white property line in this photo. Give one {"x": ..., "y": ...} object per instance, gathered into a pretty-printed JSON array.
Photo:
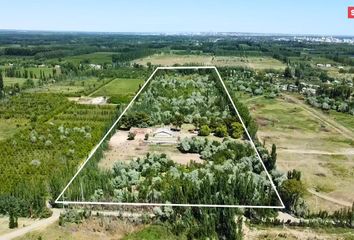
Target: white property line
[{"x": 171, "y": 204}]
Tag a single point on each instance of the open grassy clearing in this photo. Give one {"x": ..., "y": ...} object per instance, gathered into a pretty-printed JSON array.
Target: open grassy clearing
[
  {"x": 306, "y": 144},
  {"x": 219, "y": 61},
  {"x": 296, "y": 233},
  {"x": 119, "y": 90},
  {"x": 334, "y": 73},
  {"x": 95, "y": 58},
  {"x": 343, "y": 118}
]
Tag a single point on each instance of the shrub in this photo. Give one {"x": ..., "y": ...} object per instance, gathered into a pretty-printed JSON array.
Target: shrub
[
  {"x": 236, "y": 130},
  {"x": 146, "y": 137},
  {"x": 131, "y": 136},
  {"x": 221, "y": 131},
  {"x": 204, "y": 130}
]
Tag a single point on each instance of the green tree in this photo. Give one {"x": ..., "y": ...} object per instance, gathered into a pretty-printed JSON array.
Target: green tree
[
  {"x": 1, "y": 85},
  {"x": 178, "y": 121},
  {"x": 291, "y": 191},
  {"x": 273, "y": 157},
  {"x": 288, "y": 73},
  {"x": 221, "y": 131},
  {"x": 236, "y": 130},
  {"x": 204, "y": 130}
]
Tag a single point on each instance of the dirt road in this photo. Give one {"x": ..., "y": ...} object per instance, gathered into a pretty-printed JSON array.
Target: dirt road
[
  {"x": 322, "y": 117},
  {"x": 40, "y": 224},
  {"x": 317, "y": 152},
  {"x": 333, "y": 200}
]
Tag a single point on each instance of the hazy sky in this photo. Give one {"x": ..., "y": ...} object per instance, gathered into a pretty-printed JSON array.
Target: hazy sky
[{"x": 261, "y": 16}]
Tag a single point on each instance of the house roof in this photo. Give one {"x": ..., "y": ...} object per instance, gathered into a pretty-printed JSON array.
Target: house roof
[{"x": 163, "y": 130}]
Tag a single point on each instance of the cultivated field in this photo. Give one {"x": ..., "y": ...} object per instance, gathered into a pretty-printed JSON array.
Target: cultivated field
[
  {"x": 72, "y": 87},
  {"x": 306, "y": 142},
  {"x": 20, "y": 81},
  {"x": 119, "y": 90},
  {"x": 219, "y": 61},
  {"x": 95, "y": 58}
]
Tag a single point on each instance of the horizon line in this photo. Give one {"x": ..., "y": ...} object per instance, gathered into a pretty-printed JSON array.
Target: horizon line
[{"x": 177, "y": 33}]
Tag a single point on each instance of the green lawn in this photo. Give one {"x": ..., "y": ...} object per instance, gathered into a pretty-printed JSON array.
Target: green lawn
[{"x": 119, "y": 90}]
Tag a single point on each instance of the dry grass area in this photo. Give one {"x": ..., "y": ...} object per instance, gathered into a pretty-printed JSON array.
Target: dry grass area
[
  {"x": 292, "y": 233},
  {"x": 219, "y": 61},
  {"x": 22, "y": 222},
  {"x": 304, "y": 142},
  {"x": 92, "y": 228},
  {"x": 122, "y": 149}
]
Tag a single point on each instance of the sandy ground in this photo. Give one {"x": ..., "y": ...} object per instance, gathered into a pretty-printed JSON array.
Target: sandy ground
[
  {"x": 121, "y": 149},
  {"x": 29, "y": 225},
  {"x": 89, "y": 100}
]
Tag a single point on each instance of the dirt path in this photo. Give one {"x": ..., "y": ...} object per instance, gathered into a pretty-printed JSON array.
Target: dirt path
[
  {"x": 316, "y": 152},
  {"x": 333, "y": 200},
  {"x": 40, "y": 224},
  {"x": 320, "y": 116}
]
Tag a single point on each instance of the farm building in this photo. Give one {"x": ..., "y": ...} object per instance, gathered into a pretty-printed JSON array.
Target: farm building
[{"x": 163, "y": 136}]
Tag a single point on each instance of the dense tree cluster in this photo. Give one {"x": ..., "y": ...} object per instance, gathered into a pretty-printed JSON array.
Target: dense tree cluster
[{"x": 40, "y": 158}]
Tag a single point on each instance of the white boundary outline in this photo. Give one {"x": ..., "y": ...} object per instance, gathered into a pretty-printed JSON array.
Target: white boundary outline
[{"x": 171, "y": 204}]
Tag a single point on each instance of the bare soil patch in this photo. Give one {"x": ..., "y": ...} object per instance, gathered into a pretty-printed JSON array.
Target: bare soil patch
[{"x": 122, "y": 149}]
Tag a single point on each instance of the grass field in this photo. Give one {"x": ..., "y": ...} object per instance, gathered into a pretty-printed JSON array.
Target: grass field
[
  {"x": 119, "y": 90},
  {"x": 8, "y": 127},
  {"x": 343, "y": 118},
  {"x": 96, "y": 58},
  {"x": 249, "y": 62},
  {"x": 323, "y": 155},
  {"x": 11, "y": 81}
]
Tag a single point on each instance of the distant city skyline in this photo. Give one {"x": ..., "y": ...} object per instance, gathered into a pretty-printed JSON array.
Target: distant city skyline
[{"x": 299, "y": 17}]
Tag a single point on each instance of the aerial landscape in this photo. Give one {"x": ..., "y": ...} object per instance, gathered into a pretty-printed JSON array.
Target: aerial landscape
[{"x": 154, "y": 133}]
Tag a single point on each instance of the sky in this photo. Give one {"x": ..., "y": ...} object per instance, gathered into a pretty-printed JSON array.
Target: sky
[{"x": 322, "y": 17}]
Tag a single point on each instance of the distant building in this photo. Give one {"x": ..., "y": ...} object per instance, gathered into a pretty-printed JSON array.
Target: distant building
[{"x": 95, "y": 66}]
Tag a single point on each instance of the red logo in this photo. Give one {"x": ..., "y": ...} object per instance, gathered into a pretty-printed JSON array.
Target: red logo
[{"x": 350, "y": 12}]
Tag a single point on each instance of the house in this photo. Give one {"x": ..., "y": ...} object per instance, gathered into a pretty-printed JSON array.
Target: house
[
  {"x": 163, "y": 136},
  {"x": 163, "y": 132}
]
